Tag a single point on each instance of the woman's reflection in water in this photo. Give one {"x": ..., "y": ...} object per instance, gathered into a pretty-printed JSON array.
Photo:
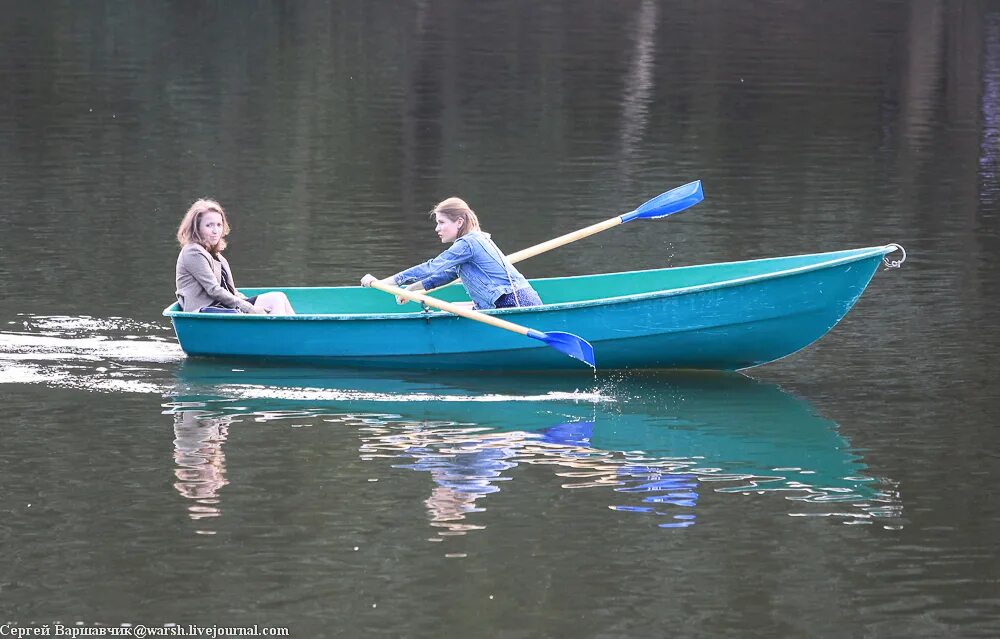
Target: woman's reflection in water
[
  {"x": 201, "y": 464},
  {"x": 467, "y": 466},
  {"x": 462, "y": 474}
]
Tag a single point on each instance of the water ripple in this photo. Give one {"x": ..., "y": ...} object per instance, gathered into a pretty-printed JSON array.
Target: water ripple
[
  {"x": 251, "y": 391},
  {"x": 467, "y": 465}
]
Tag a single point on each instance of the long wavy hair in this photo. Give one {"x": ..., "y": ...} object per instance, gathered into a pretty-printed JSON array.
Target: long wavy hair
[{"x": 187, "y": 232}]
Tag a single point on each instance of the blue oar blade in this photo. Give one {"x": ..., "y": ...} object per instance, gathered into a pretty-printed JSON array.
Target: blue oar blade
[
  {"x": 567, "y": 343},
  {"x": 673, "y": 201}
]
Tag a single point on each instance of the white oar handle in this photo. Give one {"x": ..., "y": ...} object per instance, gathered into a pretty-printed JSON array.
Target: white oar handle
[{"x": 467, "y": 313}]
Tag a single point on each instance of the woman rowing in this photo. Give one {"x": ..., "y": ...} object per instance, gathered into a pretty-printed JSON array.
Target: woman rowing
[{"x": 489, "y": 278}]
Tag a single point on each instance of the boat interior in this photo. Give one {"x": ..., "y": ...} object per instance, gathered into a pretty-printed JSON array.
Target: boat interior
[{"x": 355, "y": 300}]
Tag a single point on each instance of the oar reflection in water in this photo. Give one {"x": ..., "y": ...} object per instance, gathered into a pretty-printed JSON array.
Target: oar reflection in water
[{"x": 654, "y": 442}]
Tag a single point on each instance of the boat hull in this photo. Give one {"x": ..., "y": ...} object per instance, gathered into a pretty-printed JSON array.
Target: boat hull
[{"x": 737, "y": 316}]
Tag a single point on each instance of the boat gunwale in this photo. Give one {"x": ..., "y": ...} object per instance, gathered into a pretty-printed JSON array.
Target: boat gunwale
[{"x": 856, "y": 255}]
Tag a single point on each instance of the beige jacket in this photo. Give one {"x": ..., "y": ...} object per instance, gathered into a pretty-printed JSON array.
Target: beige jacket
[{"x": 199, "y": 281}]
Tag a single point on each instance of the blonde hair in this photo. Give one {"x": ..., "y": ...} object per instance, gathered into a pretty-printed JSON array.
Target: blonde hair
[
  {"x": 455, "y": 208},
  {"x": 187, "y": 232}
]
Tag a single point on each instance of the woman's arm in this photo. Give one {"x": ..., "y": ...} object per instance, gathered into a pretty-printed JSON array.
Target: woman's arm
[
  {"x": 437, "y": 271},
  {"x": 200, "y": 269}
]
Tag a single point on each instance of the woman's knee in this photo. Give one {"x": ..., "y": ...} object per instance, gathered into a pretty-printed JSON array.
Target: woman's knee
[{"x": 274, "y": 302}]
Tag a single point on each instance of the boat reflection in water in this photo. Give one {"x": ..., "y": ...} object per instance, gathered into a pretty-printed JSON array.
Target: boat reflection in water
[{"x": 654, "y": 442}]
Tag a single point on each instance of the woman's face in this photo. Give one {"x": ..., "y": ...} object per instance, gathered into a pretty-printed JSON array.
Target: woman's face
[
  {"x": 446, "y": 229},
  {"x": 210, "y": 227}
]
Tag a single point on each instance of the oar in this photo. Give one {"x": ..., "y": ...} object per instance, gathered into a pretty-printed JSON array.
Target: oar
[
  {"x": 664, "y": 204},
  {"x": 575, "y": 347}
]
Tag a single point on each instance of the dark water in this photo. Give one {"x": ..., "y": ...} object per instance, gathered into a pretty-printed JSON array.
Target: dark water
[{"x": 845, "y": 491}]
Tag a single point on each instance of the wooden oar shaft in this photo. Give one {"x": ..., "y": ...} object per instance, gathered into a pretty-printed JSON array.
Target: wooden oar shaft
[
  {"x": 537, "y": 249},
  {"x": 451, "y": 308},
  {"x": 564, "y": 239}
]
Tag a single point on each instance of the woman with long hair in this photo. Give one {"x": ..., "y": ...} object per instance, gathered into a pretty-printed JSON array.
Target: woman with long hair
[{"x": 204, "y": 280}]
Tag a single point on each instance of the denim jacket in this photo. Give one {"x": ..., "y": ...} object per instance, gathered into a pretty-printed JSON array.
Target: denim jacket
[{"x": 486, "y": 274}]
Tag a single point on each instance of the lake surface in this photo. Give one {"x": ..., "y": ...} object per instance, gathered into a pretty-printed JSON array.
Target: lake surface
[{"x": 845, "y": 491}]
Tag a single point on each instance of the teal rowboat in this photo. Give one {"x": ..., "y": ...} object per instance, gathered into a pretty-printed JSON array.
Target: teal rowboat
[{"x": 724, "y": 316}]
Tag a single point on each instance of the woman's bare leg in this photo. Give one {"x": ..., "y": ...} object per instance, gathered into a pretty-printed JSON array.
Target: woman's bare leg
[{"x": 274, "y": 303}]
